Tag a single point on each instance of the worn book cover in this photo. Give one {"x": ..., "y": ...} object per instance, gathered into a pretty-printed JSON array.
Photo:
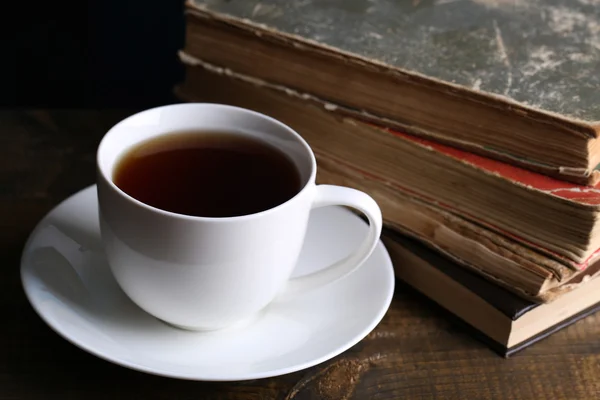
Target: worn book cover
[
  {"x": 464, "y": 72},
  {"x": 588, "y": 197}
]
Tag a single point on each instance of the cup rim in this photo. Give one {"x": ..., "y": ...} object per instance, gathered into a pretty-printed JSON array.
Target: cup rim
[{"x": 108, "y": 179}]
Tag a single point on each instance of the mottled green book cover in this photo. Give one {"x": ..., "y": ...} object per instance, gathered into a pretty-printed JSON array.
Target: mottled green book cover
[{"x": 542, "y": 54}]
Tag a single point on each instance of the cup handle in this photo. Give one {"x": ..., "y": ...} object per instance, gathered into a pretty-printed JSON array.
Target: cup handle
[{"x": 328, "y": 195}]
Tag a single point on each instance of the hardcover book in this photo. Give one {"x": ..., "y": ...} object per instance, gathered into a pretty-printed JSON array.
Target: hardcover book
[
  {"x": 513, "y": 80},
  {"x": 504, "y": 321}
]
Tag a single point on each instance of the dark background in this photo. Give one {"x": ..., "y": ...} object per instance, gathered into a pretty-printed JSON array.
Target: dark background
[{"x": 106, "y": 53}]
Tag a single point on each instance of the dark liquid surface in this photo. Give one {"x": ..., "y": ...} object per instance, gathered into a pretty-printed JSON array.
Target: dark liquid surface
[{"x": 207, "y": 174}]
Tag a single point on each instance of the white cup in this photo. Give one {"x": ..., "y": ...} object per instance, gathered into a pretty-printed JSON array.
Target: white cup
[{"x": 209, "y": 273}]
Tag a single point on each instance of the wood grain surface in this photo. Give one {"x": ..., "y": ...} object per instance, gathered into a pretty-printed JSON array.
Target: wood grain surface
[{"x": 415, "y": 353}]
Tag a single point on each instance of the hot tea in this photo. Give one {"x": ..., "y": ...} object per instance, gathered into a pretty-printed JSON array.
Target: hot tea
[{"x": 207, "y": 174}]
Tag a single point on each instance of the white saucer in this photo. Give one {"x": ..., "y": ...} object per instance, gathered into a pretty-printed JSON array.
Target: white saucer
[{"x": 69, "y": 284}]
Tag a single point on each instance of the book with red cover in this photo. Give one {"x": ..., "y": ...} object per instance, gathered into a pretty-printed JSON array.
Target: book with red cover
[{"x": 585, "y": 196}]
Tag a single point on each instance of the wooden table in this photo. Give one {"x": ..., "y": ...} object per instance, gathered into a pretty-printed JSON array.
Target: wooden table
[{"x": 414, "y": 353}]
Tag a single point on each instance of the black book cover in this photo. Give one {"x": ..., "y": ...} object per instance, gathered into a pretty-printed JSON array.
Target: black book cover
[{"x": 503, "y": 300}]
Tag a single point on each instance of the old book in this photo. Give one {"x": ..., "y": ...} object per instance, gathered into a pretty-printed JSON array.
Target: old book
[
  {"x": 512, "y": 80},
  {"x": 498, "y": 259},
  {"x": 501, "y": 319},
  {"x": 557, "y": 218},
  {"x": 504, "y": 260}
]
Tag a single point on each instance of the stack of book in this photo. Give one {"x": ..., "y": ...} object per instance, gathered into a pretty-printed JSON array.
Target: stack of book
[{"x": 473, "y": 124}]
